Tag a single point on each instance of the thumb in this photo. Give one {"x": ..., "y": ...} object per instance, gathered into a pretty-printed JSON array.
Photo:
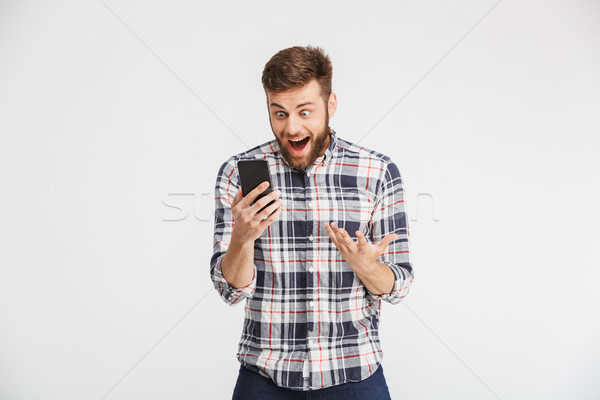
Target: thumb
[
  {"x": 387, "y": 240},
  {"x": 237, "y": 198}
]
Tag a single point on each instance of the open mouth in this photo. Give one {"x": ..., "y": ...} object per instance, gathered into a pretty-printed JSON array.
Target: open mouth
[{"x": 299, "y": 146}]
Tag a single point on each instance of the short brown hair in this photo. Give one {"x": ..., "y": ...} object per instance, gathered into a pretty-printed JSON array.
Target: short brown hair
[{"x": 296, "y": 66}]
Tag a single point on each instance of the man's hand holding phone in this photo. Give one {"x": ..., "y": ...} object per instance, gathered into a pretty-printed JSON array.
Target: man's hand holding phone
[{"x": 250, "y": 220}]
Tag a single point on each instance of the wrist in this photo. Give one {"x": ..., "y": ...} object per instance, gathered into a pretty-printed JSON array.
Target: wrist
[
  {"x": 241, "y": 242},
  {"x": 369, "y": 268}
]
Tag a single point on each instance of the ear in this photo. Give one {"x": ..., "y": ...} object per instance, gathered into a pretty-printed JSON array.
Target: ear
[{"x": 332, "y": 104}]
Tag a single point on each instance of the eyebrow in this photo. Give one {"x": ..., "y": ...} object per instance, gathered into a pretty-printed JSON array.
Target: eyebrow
[{"x": 298, "y": 106}]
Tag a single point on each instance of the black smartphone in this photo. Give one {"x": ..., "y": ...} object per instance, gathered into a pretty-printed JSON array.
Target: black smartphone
[{"x": 253, "y": 173}]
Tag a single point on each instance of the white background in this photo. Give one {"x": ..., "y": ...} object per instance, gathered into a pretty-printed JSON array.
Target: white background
[{"x": 107, "y": 117}]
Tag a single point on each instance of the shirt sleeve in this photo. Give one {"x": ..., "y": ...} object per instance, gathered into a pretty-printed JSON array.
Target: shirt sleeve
[
  {"x": 389, "y": 216},
  {"x": 226, "y": 187}
]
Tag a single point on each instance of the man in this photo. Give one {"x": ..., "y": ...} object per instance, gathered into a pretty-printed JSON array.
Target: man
[{"x": 313, "y": 294}]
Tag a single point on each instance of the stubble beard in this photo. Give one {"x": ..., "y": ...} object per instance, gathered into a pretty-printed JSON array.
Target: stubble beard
[{"x": 303, "y": 164}]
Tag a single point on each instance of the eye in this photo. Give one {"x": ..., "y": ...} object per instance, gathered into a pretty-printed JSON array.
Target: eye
[
  {"x": 304, "y": 113},
  {"x": 280, "y": 114}
]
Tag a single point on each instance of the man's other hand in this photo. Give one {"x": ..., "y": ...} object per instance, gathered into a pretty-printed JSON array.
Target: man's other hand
[{"x": 361, "y": 255}]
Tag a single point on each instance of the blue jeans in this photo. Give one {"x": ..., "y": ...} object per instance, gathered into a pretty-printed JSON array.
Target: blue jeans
[{"x": 253, "y": 386}]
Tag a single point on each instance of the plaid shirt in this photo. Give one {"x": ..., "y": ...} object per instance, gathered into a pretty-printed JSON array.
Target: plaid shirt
[{"x": 310, "y": 323}]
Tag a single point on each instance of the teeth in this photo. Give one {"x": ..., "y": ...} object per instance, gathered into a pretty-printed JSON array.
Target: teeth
[{"x": 297, "y": 140}]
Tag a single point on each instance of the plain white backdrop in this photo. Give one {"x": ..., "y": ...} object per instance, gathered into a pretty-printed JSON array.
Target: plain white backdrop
[{"x": 114, "y": 120}]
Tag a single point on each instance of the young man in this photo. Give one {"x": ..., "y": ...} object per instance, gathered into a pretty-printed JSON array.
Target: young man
[{"x": 313, "y": 293}]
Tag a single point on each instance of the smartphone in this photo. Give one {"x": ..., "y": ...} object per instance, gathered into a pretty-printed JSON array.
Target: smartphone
[{"x": 253, "y": 173}]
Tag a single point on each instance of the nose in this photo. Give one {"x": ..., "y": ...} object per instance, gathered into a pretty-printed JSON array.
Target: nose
[{"x": 293, "y": 125}]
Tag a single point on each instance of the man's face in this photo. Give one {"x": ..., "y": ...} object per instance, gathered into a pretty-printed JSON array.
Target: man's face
[{"x": 301, "y": 113}]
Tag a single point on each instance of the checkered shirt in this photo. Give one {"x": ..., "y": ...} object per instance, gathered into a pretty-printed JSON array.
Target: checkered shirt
[{"x": 310, "y": 323}]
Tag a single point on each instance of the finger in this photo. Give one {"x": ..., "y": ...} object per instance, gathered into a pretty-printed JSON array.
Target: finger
[
  {"x": 238, "y": 196},
  {"x": 258, "y": 206},
  {"x": 361, "y": 238},
  {"x": 329, "y": 230},
  {"x": 269, "y": 210},
  {"x": 273, "y": 216},
  {"x": 343, "y": 239},
  {"x": 338, "y": 237},
  {"x": 250, "y": 197},
  {"x": 387, "y": 240},
  {"x": 346, "y": 237},
  {"x": 334, "y": 230},
  {"x": 331, "y": 234},
  {"x": 337, "y": 231}
]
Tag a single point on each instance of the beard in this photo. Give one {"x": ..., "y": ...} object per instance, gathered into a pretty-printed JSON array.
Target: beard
[{"x": 317, "y": 142}]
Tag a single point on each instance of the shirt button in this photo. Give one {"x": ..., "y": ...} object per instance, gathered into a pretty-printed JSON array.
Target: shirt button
[
  {"x": 308, "y": 174},
  {"x": 311, "y": 341},
  {"x": 311, "y": 269},
  {"x": 311, "y": 304},
  {"x": 310, "y": 204},
  {"x": 311, "y": 238}
]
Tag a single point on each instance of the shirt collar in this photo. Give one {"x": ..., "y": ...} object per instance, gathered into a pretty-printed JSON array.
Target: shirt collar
[{"x": 326, "y": 157}]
